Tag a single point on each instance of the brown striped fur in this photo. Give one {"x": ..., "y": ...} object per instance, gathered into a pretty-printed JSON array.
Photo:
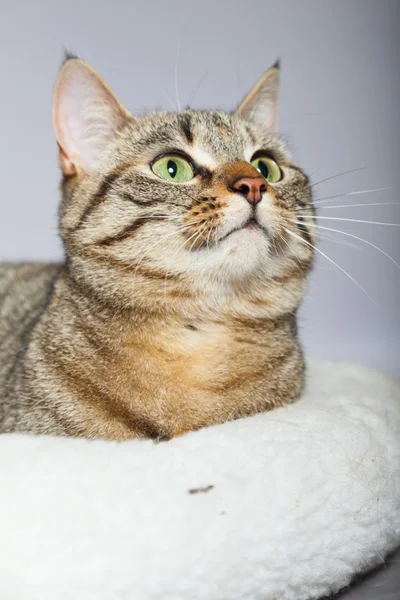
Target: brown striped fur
[{"x": 167, "y": 314}]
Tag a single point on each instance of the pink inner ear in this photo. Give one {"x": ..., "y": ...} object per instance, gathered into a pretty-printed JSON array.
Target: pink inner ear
[
  {"x": 66, "y": 166},
  {"x": 86, "y": 117},
  {"x": 261, "y": 105}
]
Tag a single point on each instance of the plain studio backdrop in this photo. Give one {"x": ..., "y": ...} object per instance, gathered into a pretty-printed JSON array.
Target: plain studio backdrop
[{"x": 339, "y": 111}]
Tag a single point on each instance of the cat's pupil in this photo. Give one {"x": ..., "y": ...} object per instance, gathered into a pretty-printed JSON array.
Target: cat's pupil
[
  {"x": 262, "y": 167},
  {"x": 172, "y": 168}
]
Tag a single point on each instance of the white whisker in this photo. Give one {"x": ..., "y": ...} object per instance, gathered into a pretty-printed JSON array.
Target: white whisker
[
  {"x": 356, "y": 205},
  {"x": 198, "y": 235},
  {"x": 192, "y": 97},
  {"x": 176, "y": 77},
  {"x": 180, "y": 229},
  {"x": 356, "y": 237},
  {"x": 176, "y": 231},
  {"x": 333, "y": 262},
  {"x": 336, "y": 241},
  {"x": 169, "y": 99},
  {"x": 349, "y": 220},
  {"x": 338, "y": 175},
  {"x": 326, "y": 198},
  {"x": 164, "y": 217},
  {"x": 288, "y": 245},
  {"x": 208, "y": 239}
]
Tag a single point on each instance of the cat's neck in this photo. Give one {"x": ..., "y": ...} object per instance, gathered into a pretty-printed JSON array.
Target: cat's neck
[
  {"x": 153, "y": 373},
  {"x": 137, "y": 303}
]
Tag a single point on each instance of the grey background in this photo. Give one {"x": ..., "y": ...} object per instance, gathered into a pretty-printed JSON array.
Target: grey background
[{"x": 339, "y": 111}]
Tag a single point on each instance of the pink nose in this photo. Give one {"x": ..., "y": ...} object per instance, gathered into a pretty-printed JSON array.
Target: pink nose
[{"x": 251, "y": 188}]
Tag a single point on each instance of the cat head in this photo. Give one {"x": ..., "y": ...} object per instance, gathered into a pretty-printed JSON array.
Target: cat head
[{"x": 192, "y": 208}]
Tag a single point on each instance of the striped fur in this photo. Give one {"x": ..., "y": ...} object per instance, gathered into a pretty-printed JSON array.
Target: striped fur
[{"x": 167, "y": 315}]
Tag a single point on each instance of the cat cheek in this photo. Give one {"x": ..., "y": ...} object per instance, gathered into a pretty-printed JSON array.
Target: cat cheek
[{"x": 271, "y": 216}]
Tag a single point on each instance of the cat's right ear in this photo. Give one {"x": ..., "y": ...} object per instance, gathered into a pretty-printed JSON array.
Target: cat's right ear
[
  {"x": 86, "y": 117},
  {"x": 260, "y": 107}
]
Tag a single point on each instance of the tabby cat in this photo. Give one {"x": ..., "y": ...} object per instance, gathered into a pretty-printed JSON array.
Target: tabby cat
[{"x": 176, "y": 305}]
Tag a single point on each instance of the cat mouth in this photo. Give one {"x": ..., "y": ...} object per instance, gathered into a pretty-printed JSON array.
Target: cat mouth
[{"x": 251, "y": 223}]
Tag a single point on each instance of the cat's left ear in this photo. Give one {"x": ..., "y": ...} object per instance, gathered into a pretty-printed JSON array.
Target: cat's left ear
[
  {"x": 87, "y": 117},
  {"x": 260, "y": 107}
]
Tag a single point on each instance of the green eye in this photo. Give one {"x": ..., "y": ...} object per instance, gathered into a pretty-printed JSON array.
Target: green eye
[
  {"x": 268, "y": 169},
  {"x": 173, "y": 168}
]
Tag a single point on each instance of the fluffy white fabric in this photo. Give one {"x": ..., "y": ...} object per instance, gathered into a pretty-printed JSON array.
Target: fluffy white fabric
[{"x": 303, "y": 498}]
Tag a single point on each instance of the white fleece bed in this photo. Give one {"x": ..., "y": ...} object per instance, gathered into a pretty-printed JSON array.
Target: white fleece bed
[{"x": 287, "y": 505}]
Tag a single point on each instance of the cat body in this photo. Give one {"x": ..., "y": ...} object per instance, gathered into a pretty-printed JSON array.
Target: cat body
[{"x": 176, "y": 305}]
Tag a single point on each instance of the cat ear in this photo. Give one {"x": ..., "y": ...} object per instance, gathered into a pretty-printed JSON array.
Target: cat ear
[
  {"x": 260, "y": 107},
  {"x": 86, "y": 117}
]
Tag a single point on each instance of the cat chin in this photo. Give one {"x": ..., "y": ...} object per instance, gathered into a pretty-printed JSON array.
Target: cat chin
[
  {"x": 244, "y": 252},
  {"x": 248, "y": 243}
]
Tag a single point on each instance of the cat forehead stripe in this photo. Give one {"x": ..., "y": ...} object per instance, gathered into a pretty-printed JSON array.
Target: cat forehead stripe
[{"x": 187, "y": 128}]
